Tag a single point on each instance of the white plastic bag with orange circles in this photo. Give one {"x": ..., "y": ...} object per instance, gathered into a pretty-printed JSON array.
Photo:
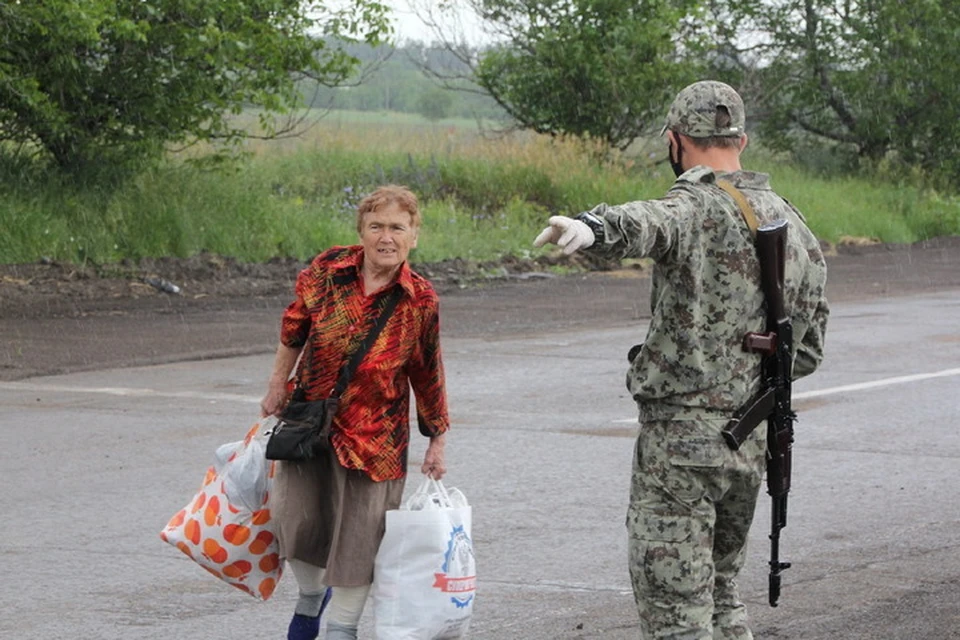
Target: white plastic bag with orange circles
[{"x": 226, "y": 528}]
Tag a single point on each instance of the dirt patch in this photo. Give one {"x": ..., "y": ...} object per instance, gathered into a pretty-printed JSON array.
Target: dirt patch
[
  {"x": 49, "y": 287},
  {"x": 57, "y": 317}
]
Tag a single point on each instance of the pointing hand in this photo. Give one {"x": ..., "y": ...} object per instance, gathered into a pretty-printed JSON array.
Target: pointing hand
[{"x": 567, "y": 233}]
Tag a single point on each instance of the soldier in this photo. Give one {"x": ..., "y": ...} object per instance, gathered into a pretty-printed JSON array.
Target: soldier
[{"x": 692, "y": 498}]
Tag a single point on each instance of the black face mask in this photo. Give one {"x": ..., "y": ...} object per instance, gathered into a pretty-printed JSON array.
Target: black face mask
[{"x": 676, "y": 165}]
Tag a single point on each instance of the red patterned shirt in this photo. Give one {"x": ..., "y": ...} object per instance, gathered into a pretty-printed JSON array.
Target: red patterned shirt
[{"x": 329, "y": 318}]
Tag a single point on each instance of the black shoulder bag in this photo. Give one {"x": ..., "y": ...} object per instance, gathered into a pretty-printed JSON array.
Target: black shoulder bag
[{"x": 302, "y": 431}]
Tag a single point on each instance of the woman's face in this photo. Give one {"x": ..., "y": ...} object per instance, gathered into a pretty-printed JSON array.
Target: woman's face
[{"x": 387, "y": 235}]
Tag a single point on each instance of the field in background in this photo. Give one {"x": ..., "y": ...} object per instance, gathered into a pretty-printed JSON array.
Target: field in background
[{"x": 484, "y": 195}]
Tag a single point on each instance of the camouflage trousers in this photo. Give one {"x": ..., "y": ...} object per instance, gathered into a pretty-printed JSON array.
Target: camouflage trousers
[{"x": 692, "y": 501}]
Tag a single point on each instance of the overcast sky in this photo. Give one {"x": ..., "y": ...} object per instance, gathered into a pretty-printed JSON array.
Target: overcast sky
[{"x": 409, "y": 27}]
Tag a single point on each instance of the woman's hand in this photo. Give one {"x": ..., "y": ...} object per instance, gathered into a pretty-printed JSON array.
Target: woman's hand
[
  {"x": 275, "y": 400},
  {"x": 433, "y": 460}
]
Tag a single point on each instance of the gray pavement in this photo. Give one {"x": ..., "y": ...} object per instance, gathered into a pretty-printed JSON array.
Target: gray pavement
[{"x": 95, "y": 463}]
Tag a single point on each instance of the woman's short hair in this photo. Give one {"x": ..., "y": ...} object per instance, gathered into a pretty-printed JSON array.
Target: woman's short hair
[{"x": 386, "y": 195}]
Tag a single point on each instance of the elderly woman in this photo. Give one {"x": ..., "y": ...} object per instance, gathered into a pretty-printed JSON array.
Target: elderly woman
[{"x": 331, "y": 510}]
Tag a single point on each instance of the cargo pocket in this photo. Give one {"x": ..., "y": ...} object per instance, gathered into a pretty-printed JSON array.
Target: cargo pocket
[
  {"x": 666, "y": 560},
  {"x": 694, "y": 468}
]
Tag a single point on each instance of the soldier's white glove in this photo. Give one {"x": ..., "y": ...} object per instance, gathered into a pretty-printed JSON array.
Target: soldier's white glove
[{"x": 567, "y": 233}]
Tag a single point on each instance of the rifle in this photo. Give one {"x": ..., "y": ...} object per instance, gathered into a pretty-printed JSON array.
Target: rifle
[{"x": 773, "y": 401}]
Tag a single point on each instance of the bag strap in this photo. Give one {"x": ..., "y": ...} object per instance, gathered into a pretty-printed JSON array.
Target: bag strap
[
  {"x": 347, "y": 370},
  {"x": 745, "y": 209}
]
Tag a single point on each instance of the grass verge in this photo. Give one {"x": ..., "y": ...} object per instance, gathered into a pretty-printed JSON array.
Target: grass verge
[{"x": 483, "y": 196}]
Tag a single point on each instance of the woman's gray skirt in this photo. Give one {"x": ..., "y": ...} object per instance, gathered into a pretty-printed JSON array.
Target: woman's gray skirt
[{"x": 332, "y": 517}]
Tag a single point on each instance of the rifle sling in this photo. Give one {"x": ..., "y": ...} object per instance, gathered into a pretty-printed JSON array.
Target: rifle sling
[
  {"x": 752, "y": 414},
  {"x": 745, "y": 209}
]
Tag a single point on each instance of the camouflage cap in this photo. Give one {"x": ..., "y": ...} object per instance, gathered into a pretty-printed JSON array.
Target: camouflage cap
[{"x": 694, "y": 111}]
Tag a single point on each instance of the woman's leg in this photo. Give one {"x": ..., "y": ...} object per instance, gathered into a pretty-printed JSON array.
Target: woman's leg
[
  {"x": 314, "y": 596},
  {"x": 346, "y": 606}
]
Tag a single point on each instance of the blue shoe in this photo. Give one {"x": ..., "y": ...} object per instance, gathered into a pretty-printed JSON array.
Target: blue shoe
[{"x": 308, "y": 627}]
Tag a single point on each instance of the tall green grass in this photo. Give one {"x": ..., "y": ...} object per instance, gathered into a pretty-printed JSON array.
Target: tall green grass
[
  {"x": 483, "y": 196},
  {"x": 879, "y": 209}
]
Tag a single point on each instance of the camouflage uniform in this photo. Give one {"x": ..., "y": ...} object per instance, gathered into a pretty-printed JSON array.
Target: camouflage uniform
[{"x": 692, "y": 498}]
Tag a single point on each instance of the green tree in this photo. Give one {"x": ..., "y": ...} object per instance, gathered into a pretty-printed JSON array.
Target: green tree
[
  {"x": 875, "y": 76},
  {"x": 92, "y": 80},
  {"x": 435, "y": 104},
  {"x": 392, "y": 79},
  {"x": 606, "y": 69}
]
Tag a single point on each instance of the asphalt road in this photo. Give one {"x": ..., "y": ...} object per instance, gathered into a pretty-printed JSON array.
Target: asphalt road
[{"x": 96, "y": 462}]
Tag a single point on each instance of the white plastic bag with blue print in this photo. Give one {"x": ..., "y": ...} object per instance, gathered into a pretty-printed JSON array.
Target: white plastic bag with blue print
[{"x": 425, "y": 577}]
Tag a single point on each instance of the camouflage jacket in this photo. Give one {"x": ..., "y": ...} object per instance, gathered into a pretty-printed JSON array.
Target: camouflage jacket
[{"x": 706, "y": 292}]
